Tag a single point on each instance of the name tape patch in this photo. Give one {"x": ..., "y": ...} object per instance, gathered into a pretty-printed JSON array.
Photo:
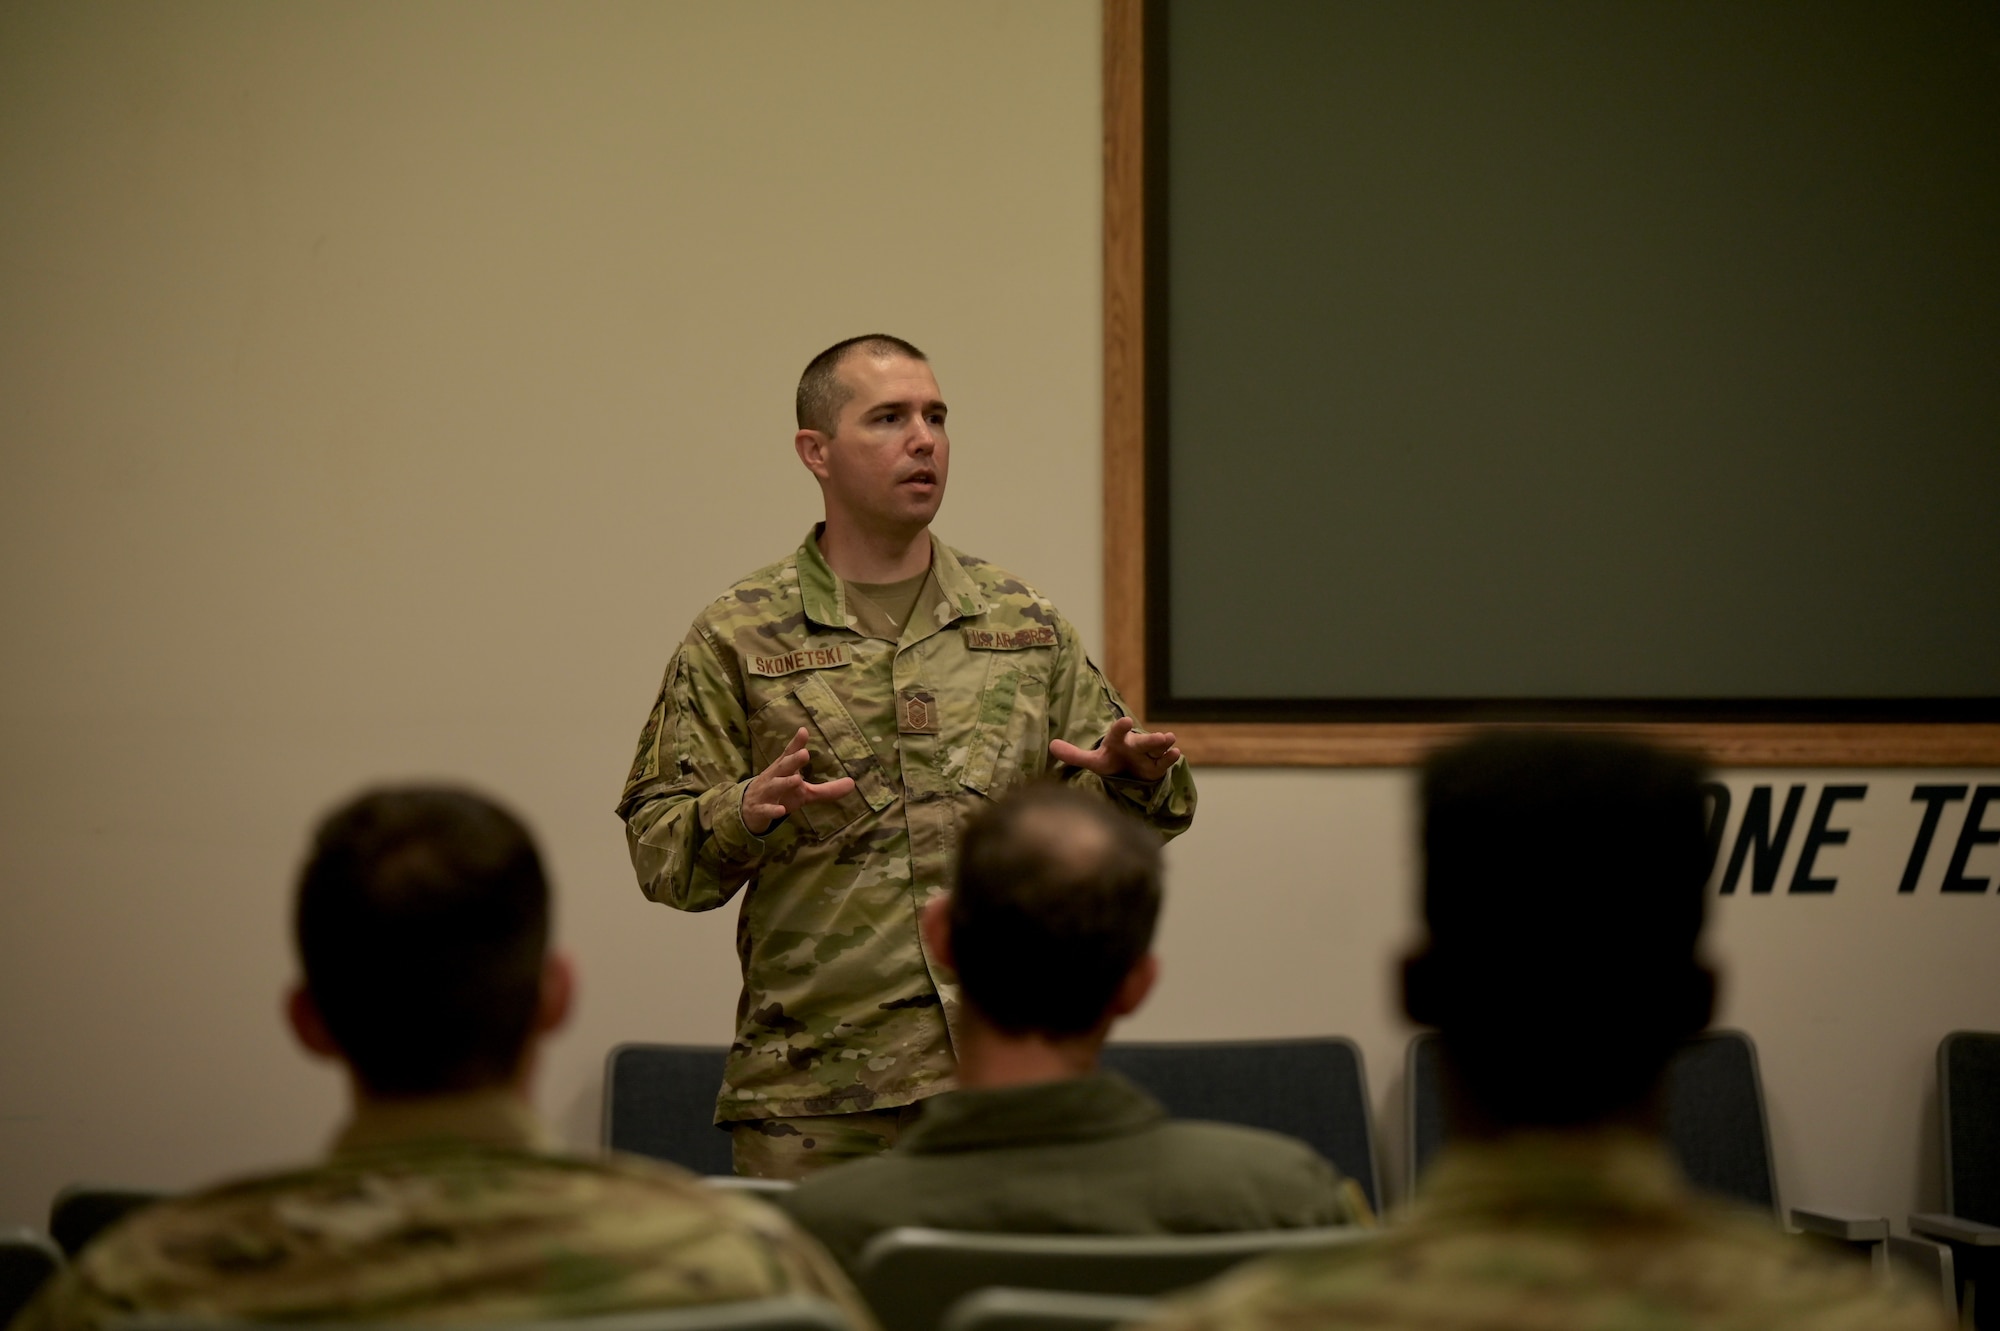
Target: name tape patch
[
  {"x": 997, "y": 641},
  {"x": 805, "y": 658}
]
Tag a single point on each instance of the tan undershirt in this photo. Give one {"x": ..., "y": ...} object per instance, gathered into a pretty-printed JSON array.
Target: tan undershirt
[{"x": 883, "y": 608}]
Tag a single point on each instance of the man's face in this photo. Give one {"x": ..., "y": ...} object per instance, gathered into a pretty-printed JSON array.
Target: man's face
[{"x": 884, "y": 467}]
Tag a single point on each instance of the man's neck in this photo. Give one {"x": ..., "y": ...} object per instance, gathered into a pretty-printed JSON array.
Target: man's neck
[
  {"x": 493, "y": 1115},
  {"x": 517, "y": 1085},
  {"x": 989, "y": 1058},
  {"x": 861, "y": 555}
]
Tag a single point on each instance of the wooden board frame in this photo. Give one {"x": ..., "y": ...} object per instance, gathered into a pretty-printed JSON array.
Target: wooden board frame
[{"x": 1371, "y": 744}]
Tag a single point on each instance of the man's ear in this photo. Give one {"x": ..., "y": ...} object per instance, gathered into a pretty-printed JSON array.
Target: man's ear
[
  {"x": 935, "y": 925},
  {"x": 811, "y": 446},
  {"x": 308, "y": 1026},
  {"x": 1138, "y": 983},
  {"x": 558, "y": 992}
]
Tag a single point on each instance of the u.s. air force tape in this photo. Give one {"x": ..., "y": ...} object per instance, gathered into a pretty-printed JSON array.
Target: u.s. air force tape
[{"x": 1003, "y": 640}]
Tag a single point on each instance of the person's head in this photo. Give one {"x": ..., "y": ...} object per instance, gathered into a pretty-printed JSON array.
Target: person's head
[
  {"x": 422, "y": 925},
  {"x": 871, "y": 431},
  {"x": 1050, "y": 920},
  {"x": 1563, "y": 890}
]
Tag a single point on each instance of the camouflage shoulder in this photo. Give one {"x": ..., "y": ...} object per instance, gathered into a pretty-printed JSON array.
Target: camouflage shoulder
[
  {"x": 148, "y": 1247},
  {"x": 744, "y": 1209},
  {"x": 798, "y": 1263},
  {"x": 1253, "y": 1296},
  {"x": 1810, "y": 1284},
  {"x": 1012, "y": 602},
  {"x": 752, "y": 596},
  {"x": 636, "y": 1166}
]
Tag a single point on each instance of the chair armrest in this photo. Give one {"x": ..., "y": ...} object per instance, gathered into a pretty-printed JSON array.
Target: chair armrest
[
  {"x": 1930, "y": 1264},
  {"x": 1847, "y": 1226},
  {"x": 762, "y": 1187},
  {"x": 1013, "y": 1309},
  {"x": 1952, "y": 1229}
]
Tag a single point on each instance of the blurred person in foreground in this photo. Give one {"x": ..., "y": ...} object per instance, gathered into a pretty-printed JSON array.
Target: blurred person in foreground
[
  {"x": 1049, "y": 927},
  {"x": 422, "y": 927},
  {"x": 1563, "y": 895}
]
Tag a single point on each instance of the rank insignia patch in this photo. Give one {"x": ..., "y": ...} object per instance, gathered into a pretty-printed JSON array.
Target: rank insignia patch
[{"x": 916, "y": 712}]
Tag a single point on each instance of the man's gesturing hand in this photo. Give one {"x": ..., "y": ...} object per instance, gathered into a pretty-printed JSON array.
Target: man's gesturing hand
[
  {"x": 782, "y": 788},
  {"x": 1147, "y": 757}
]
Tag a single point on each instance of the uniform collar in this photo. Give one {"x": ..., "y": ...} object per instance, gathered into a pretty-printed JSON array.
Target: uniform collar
[
  {"x": 823, "y": 597},
  {"x": 1075, "y": 1109},
  {"x": 952, "y": 579},
  {"x": 492, "y": 1117},
  {"x": 1552, "y": 1175}
]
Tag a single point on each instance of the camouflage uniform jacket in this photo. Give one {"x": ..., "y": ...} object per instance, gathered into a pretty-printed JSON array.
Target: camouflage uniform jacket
[
  {"x": 441, "y": 1211},
  {"x": 1562, "y": 1233},
  {"x": 842, "y": 1010}
]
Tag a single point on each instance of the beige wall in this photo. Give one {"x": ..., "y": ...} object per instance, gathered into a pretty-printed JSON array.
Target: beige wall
[{"x": 382, "y": 388}]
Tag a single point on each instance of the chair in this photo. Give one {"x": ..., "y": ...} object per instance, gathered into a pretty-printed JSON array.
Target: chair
[
  {"x": 1715, "y": 1114},
  {"x": 1314, "y": 1089},
  {"x": 911, "y": 1276},
  {"x": 1928, "y": 1264},
  {"x": 1715, "y": 1126},
  {"x": 1715, "y": 1118},
  {"x": 1005, "y": 1309},
  {"x": 82, "y": 1211},
  {"x": 659, "y": 1101},
  {"x": 28, "y": 1258},
  {"x": 762, "y": 1187},
  {"x": 787, "y": 1313},
  {"x": 1969, "y": 1105}
]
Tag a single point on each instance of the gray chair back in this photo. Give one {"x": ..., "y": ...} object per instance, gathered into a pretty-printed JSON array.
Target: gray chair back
[
  {"x": 1715, "y": 1118},
  {"x": 1715, "y": 1114},
  {"x": 28, "y": 1258},
  {"x": 1969, "y": 1099},
  {"x": 659, "y": 1101},
  {"x": 910, "y": 1277},
  {"x": 1002, "y": 1308},
  {"x": 1423, "y": 1106},
  {"x": 1315, "y": 1089},
  {"x": 789, "y": 1313}
]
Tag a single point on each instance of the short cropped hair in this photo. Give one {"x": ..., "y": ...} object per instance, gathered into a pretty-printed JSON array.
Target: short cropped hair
[
  {"x": 1055, "y": 902},
  {"x": 422, "y": 925},
  {"x": 1564, "y": 880},
  {"x": 822, "y": 393}
]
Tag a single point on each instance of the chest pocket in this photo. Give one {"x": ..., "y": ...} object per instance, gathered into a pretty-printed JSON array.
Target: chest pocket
[
  {"x": 1011, "y": 742},
  {"x": 836, "y": 744}
]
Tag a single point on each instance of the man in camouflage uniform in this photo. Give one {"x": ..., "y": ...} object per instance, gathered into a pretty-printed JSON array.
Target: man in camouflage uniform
[
  {"x": 422, "y": 925},
  {"x": 820, "y": 735},
  {"x": 1049, "y": 927},
  {"x": 1564, "y": 882}
]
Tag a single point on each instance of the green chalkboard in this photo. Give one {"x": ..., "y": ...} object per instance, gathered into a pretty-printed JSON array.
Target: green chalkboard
[{"x": 1574, "y": 357}]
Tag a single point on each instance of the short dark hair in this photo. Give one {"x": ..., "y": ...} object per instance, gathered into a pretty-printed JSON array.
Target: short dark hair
[
  {"x": 1056, "y": 898},
  {"x": 422, "y": 925},
  {"x": 1564, "y": 879},
  {"x": 822, "y": 393}
]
